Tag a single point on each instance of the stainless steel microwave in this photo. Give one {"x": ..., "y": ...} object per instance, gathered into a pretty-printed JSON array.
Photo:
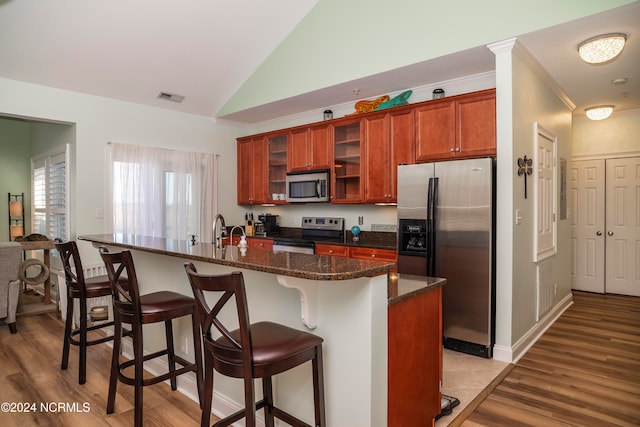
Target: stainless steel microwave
[{"x": 308, "y": 187}]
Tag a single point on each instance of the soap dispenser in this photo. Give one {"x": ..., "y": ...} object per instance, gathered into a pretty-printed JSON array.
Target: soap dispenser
[{"x": 243, "y": 242}]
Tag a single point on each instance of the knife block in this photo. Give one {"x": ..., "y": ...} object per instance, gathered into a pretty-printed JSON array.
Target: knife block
[{"x": 248, "y": 228}]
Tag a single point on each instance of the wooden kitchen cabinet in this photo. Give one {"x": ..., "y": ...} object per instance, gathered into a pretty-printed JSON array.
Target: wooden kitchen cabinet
[
  {"x": 309, "y": 148},
  {"x": 348, "y": 147},
  {"x": 372, "y": 253},
  {"x": 364, "y": 151},
  {"x": 252, "y": 178},
  {"x": 414, "y": 359},
  {"x": 462, "y": 126},
  {"x": 259, "y": 243},
  {"x": 252, "y": 242},
  {"x": 389, "y": 139},
  {"x": 332, "y": 250},
  {"x": 277, "y": 169},
  {"x": 476, "y": 124}
]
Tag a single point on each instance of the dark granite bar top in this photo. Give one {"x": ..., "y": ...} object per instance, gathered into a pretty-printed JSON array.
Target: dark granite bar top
[
  {"x": 305, "y": 266},
  {"x": 404, "y": 286}
]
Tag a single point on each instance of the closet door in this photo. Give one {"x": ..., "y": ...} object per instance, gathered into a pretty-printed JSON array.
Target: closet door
[
  {"x": 588, "y": 225},
  {"x": 623, "y": 226}
]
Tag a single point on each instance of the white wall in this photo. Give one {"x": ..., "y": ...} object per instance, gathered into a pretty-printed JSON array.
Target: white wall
[
  {"x": 525, "y": 95},
  {"x": 100, "y": 120},
  {"x": 618, "y": 134}
]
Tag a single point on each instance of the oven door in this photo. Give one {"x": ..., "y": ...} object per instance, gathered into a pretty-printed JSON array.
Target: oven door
[{"x": 294, "y": 245}]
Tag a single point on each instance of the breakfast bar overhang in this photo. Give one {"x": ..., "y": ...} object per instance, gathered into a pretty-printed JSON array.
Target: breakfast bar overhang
[{"x": 345, "y": 301}]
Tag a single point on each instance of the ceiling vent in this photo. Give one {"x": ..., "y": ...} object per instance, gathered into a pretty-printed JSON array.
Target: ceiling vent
[{"x": 170, "y": 97}]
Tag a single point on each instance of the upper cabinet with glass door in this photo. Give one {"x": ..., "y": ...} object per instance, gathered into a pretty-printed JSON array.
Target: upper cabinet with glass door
[
  {"x": 348, "y": 183},
  {"x": 277, "y": 172}
]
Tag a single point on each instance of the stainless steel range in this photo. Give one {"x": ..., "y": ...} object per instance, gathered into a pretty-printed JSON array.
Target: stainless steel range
[{"x": 314, "y": 229}]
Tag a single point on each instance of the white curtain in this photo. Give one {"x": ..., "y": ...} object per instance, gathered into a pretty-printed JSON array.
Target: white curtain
[{"x": 161, "y": 193}]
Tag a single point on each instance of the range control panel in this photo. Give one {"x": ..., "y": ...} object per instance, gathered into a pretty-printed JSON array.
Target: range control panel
[{"x": 322, "y": 223}]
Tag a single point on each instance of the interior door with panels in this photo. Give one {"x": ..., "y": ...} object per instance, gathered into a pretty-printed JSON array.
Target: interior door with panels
[
  {"x": 588, "y": 225},
  {"x": 623, "y": 226},
  {"x": 606, "y": 225}
]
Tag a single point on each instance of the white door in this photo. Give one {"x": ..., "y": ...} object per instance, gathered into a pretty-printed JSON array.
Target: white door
[
  {"x": 588, "y": 225},
  {"x": 623, "y": 226}
]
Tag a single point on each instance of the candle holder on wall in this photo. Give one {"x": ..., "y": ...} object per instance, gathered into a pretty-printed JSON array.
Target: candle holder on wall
[
  {"x": 525, "y": 168},
  {"x": 16, "y": 215}
]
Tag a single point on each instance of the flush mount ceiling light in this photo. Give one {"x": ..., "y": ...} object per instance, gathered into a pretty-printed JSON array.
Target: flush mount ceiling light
[
  {"x": 602, "y": 49},
  {"x": 600, "y": 112}
]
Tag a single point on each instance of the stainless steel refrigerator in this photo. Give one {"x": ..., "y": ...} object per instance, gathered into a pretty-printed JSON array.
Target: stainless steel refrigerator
[{"x": 446, "y": 226}]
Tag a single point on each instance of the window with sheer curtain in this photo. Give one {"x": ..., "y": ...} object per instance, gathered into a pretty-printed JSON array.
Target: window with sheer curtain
[{"x": 161, "y": 193}]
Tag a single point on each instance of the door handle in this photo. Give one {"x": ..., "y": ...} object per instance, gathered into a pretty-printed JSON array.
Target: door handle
[
  {"x": 609, "y": 233},
  {"x": 598, "y": 233}
]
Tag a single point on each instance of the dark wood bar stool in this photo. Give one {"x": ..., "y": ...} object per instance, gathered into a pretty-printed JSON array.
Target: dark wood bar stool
[
  {"x": 258, "y": 350},
  {"x": 137, "y": 310},
  {"x": 81, "y": 289}
]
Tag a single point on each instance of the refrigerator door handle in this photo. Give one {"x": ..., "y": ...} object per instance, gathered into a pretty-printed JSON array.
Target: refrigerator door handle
[{"x": 431, "y": 237}]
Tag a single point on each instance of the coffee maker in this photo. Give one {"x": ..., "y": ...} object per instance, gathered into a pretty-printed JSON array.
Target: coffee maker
[{"x": 269, "y": 225}]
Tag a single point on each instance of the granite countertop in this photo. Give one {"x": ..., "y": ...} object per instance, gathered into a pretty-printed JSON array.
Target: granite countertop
[
  {"x": 305, "y": 266},
  {"x": 368, "y": 239},
  {"x": 404, "y": 286}
]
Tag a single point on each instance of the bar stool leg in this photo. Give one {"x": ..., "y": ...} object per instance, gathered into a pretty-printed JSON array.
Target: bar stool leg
[
  {"x": 115, "y": 364},
  {"x": 318, "y": 387},
  {"x": 83, "y": 342},
  {"x": 267, "y": 392},
  {"x": 168, "y": 329},
  {"x": 67, "y": 334},
  {"x": 207, "y": 396},
  {"x": 197, "y": 346},
  {"x": 249, "y": 402},
  {"x": 138, "y": 355}
]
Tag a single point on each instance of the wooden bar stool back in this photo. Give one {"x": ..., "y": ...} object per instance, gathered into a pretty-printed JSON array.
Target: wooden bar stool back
[
  {"x": 81, "y": 289},
  {"x": 258, "y": 350},
  {"x": 131, "y": 308}
]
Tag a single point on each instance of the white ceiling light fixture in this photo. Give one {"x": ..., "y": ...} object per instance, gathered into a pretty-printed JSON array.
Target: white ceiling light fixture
[
  {"x": 602, "y": 49},
  {"x": 600, "y": 112}
]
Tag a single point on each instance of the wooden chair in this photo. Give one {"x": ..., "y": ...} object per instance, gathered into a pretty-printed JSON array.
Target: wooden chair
[
  {"x": 137, "y": 310},
  {"x": 258, "y": 350},
  {"x": 81, "y": 289}
]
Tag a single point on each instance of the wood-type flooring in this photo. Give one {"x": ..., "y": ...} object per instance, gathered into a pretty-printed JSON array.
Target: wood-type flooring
[
  {"x": 40, "y": 394},
  {"x": 584, "y": 371}
]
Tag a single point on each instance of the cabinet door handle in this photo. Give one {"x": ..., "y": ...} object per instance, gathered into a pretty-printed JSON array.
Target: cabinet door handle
[
  {"x": 373, "y": 255},
  {"x": 457, "y": 148},
  {"x": 452, "y": 149},
  {"x": 330, "y": 251},
  {"x": 610, "y": 233},
  {"x": 598, "y": 233}
]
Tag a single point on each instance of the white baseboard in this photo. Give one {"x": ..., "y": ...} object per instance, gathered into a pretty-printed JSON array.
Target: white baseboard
[{"x": 513, "y": 354}]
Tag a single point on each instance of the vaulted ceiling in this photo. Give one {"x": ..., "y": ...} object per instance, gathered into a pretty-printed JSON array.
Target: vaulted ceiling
[{"x": 206, "y": 49}]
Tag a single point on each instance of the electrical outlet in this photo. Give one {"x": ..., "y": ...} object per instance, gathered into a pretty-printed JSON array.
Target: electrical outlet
[
  {"x": 99, "y": 213},
  {"x": 555, "y": 289}
]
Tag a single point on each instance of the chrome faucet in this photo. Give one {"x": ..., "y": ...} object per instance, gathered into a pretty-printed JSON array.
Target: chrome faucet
[{"x": 222, "y": 233}]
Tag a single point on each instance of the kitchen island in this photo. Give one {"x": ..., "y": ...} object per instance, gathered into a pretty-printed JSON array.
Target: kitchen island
[{"x": 343, "y": 300}]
